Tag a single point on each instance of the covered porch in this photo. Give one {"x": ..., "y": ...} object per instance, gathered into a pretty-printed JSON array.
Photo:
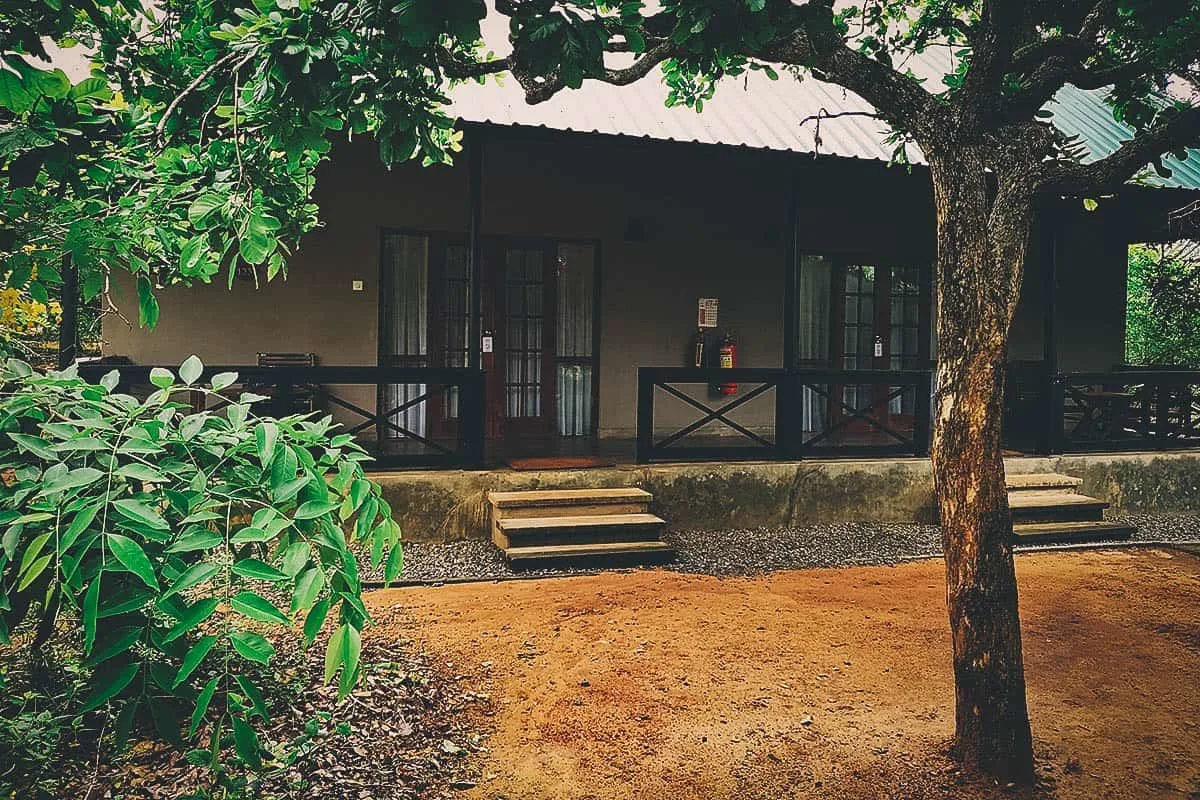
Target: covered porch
[{"x": 532, "y": 301}]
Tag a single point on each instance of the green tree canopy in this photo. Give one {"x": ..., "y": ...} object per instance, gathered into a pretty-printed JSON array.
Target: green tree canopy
[{"x": 1162, "y": 326}]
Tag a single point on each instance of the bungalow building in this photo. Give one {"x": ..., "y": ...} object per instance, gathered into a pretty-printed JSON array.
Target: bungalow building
[{"x": 573, "y": 285}]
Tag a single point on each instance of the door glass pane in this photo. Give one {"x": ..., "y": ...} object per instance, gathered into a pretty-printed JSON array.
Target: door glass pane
[
  {"x": 456, "y": 321},
  {"x": 405, "y": 327},
  {"x": 525, "y": 286}
]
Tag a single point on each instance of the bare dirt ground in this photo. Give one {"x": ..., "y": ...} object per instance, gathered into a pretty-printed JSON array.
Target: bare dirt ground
[{"x": 815, "y": 684}]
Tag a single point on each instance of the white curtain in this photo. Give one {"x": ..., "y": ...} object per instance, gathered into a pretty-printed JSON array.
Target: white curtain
[
  {"x": 406, "y": 257},
  {"x": 816, "y": 279}
]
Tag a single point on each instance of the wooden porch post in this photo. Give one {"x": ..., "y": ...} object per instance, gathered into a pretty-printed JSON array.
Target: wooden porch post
[
  {"x": 475, "y": 259},
  {"x": 922, "y": 408},
  {"x": 68, "y": 331},
  {"x": 791, "y": 283},
  {"x": 1051, "y": 391},
  {"x": 788, "y": 430}
]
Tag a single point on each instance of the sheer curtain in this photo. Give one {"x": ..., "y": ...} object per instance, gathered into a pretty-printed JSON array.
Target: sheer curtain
[
  {"x": 816, "y": 279},
  {"x": 406, "y": 323},
  {"x": 576, "y": 299}
]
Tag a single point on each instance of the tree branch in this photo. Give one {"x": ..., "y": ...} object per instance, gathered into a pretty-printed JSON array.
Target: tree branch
[
  {"x": 900, "y": 99},
  {"x": 538, "y": 88},
  {"x": 1181, "y": 130},
  {"x": 228, "y": 58}
]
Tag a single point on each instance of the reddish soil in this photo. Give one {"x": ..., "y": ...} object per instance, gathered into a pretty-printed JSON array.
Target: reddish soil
[{"x": 815, "y": 684}]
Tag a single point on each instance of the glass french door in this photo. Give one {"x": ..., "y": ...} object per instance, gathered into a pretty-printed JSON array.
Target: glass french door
[
  {"x": 876, "y": 326},
  {"x": 537, "y": 304}
]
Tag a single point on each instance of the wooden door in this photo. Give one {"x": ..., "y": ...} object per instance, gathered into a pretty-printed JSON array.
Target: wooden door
[
  {"x": 875, "y": 321},
  {"x": 525, "y": 326},
  {"x": 517, "y": 295}
]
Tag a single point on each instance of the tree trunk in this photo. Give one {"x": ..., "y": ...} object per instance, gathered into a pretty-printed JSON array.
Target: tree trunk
[{"x": 982, "y": 241}]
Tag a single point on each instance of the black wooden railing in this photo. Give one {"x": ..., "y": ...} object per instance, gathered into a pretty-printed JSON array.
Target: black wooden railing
[
  {"x": 779, "y": 414},
  {"x": 405, "y": 417},
  {"x": 1130, "y": 408}
]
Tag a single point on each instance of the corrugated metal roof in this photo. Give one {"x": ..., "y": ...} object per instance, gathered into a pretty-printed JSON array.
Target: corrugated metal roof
[{"x": 754, "y": 111}]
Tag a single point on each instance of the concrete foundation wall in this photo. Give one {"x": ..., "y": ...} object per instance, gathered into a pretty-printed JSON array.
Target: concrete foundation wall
[
  {"x": 441, "y": 506},
  {"x": 714, "y": 222}
]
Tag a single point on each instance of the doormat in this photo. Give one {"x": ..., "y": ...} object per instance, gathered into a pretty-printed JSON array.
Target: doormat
[{"x": 560, "y": 462}]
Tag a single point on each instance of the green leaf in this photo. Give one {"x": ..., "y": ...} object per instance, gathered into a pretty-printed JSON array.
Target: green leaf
[
  {"x": 252, "y": 535},
  {"x": 13, "y": 94},
  {"x": 308, "y": 587},
  {"x": 91, "y": 88},
  {"x": 265, "y": 436},
  {"x": 115, "y": 643},
  {"x": 257, "y": 608},
  {"x": 202, "y": 702},
  {"x": 315, "y": 508},
  {"x": 35, "y": 569},
  {"x": 110, "y": 686},
  {"x": 290, "y": 489},
  {"x": 162, "y": 377},
  {"x": 32, "y": 552},
  {"x": 83, "y": 476},
  {"x": 197, "y": 573},
  {"x": 138, "y": 511},
  {"x": 141, "y": 472},
  {"x": 79, "y": 524},
  {"x": 133, "y": 558},
  {"x": 203, "y": 206},
  {"x": 198, "y": 539},
  {"x": 258, "y": 239},
  {"x": 315, "y": 620},
  {"x": 252, "y": 646},
  {"x": 34, "y": 444},
  {"x": 191, "y": 370},
  {"x": 194, "y": 657},
  {"x": 257, "y": 570},
  {"x": 343, "y": 650},
  {"x": 195, "y": 614},
  {"x": 91, "y": 600},
  {"x": 147, "y": 304},
  {"x": 256, "y": 697},
  {"x": 130, "y": 598},
  {"x": 335, "y": 652},
  {"x": 395, "y": 563},
  {"x": 245, "y": 742},
  {"x": 223, "y": 380}
]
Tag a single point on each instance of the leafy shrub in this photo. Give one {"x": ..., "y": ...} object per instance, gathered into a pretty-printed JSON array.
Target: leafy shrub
[{"x": 176, "y": 539}]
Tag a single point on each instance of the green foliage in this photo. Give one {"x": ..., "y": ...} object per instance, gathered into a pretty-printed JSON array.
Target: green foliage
[
  {"x": 35, "y": 728},
  {"x": 192, "y": 147},
  {"x": 177, "y": 542},
  {"x": 1162, "y": 324}
]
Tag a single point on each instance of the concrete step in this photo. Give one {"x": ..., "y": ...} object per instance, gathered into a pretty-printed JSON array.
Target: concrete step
[
  {"x": 559, "y": 498},
  {"x": 1038, "y": 481},
  {"x": 606, "y": 554},
  {"x": 577, "y": 529},
  {"x": 1046, "y": 532},
  {"x": 1051, "y": 505}
]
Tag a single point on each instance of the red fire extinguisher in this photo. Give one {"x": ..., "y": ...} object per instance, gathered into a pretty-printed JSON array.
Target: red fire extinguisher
[{"x": 728, "y": 354}]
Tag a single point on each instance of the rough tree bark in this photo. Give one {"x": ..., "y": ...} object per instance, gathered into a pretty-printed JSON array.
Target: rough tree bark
[{"x": 983, "y": 235}]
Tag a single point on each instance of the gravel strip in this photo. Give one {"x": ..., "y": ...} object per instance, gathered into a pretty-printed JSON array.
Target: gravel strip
[{"x": 754, "y": 551}]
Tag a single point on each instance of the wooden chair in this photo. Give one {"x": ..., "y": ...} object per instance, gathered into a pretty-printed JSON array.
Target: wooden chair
[{"x": 297, "y": 398}]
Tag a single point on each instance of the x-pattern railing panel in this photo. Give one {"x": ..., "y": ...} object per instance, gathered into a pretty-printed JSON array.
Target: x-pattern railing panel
[
  {"x": 282, "y": 384},
  {"x": 789, "y": 439}
]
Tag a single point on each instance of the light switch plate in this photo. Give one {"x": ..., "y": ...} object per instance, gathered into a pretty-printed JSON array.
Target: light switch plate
[{"x": 356, "y": 286}]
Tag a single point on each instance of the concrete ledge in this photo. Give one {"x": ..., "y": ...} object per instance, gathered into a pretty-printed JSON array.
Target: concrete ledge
[{"x": 449, "y": 505}]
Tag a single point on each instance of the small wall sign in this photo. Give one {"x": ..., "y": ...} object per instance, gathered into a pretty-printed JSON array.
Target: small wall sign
[
  {"x": 486, "y": 344},
  {"x": 707, "y": 312}
]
